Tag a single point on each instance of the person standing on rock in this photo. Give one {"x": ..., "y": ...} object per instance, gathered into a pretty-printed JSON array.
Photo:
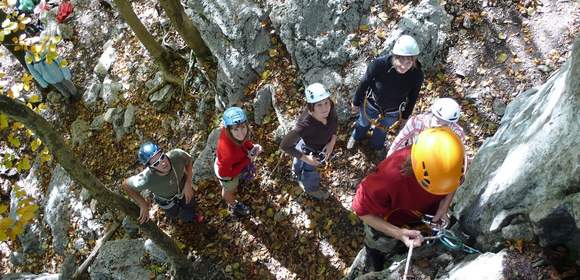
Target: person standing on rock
[
  {"x": 388, "y": 92},
  {"x": 168, "y": 176},
  {"x": 235, "y": 155},
  {"x": 406, "y": 185},
  {"x": 312, "y": 140}
]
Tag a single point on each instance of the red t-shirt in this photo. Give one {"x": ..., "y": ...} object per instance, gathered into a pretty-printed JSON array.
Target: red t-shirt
[
  {"x": 398, "y": 198},
  {"x": 232, "y": 157}
]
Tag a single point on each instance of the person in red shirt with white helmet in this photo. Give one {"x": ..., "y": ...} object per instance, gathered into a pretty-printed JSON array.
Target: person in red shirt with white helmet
[{"x": 411, "y": 182}]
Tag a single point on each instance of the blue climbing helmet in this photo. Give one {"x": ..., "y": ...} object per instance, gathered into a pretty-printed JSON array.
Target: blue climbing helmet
[
  {"x": 147, "y": 151},
  {"x": 234, "y": 116}
]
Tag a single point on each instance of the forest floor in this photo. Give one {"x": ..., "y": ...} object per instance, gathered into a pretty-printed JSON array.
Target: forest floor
[{"x": 500, "y": 50}]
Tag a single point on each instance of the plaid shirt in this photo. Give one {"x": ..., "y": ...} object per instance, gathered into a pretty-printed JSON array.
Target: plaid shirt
[{"x": 416, "y": 125}]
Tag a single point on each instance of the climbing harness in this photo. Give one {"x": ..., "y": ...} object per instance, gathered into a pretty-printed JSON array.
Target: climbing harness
[
  {"x": 376, "y": 123},
  {"x": 168, "y": 203},
  {"x": 318, "y": 155}
]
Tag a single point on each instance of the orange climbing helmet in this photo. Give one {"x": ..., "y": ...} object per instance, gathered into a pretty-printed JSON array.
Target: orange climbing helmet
[{"x": 437, "y": 157}]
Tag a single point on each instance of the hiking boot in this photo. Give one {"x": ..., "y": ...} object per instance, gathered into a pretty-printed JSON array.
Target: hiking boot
[
  {"x": 374, "y": 260},
  {"x": 319, "y": 195},
  {"x": 350, "y": 143},
  {"x": 239, "y": 209}
]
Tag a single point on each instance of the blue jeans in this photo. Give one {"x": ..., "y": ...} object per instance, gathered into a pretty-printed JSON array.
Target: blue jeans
[
  {"x": 379, "y": 134},
  {"x": 307, "y": 175}
]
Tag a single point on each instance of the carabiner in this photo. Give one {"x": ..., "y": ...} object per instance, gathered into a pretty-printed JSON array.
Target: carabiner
[{"x": 438, "y": 226}]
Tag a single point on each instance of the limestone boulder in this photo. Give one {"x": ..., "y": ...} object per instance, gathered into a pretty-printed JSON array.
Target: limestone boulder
[
  {"x": 238, "y": 40},
  {"x": 524, "y": 181}
]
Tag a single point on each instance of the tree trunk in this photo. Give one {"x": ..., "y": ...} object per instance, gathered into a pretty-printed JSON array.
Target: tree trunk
[
  {"x": 157, "y": 51},
  {"x": 74, "y": 167},
  {"x": 174, "y": 10}
]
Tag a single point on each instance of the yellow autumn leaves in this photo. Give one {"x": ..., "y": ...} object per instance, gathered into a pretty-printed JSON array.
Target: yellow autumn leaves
[
  {"x": 21, "y": 143},
  {"x": 13, "y": 224},
  {"x": 13, "y": 23},
  {"x": 45, "y": 48},
  {"x": 14, "y": 142}
]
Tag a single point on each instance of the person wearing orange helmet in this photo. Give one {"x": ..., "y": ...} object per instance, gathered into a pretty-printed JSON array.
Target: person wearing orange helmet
[{"x": 411, "y": 182}]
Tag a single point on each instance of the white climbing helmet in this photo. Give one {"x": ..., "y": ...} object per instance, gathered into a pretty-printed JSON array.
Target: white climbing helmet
[
  {"x": 316, "y": 92},
  {"x": 446, "y": 109},
  {"x": 406, "y": 46}
]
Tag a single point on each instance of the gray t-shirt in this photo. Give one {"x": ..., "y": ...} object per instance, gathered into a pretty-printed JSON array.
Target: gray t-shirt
[{"x": 163, "y": 186}]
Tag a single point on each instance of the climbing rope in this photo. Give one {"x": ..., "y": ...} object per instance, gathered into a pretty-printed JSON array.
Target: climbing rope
[{"x": 408, "y": 262}]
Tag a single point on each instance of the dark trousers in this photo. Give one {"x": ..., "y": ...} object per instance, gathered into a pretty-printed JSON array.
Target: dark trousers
[
  {"x": 183, "y": 211},
  {"x": 380, "y": 248}
]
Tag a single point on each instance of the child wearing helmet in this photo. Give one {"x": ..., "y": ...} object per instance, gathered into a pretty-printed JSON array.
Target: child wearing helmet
[
  {"x": 312, "y": 140},
  {"x": 168, "y": 176},
  {"x": 235, "y": 154},
  {"x": 387, "y": 92},
  {"x": 444, "y": 112},
  {"x": 411, "y": 182}
]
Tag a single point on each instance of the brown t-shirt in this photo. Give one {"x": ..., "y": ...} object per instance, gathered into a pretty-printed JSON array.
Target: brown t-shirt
[{"x": 314, "y": 133}]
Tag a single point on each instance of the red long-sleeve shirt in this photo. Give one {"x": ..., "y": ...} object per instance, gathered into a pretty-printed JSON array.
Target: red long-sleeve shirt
[
  {"x": 232, "y": 157},
  {"x": 395, "y": 197}
]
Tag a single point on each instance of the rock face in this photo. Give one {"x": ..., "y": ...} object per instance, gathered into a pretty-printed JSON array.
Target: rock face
[
  {"x": 125, "y": 259},
  {"x": 34, "y": 238},
  {"x": 263, "y": 103},
  {"x": 203, "y": 164},
  {"x": 317, "y": 35},
  {"x": 91, "y": 95},
  {"x": 285, "y": 120},
  {"x": 80, "y": 131},
  {"x": 110, "y": 91},
  {"x": 56, "y": 210},
  {"x": 106, "y": 60},
  {"x": 120, "y": 259},
  {"x": 492, "y": 264},
  {"x": 235, "y": 36},
  {"x": 30, "y": 276},
  {"x": 526, "y": 178},
  {"x": 162, "y": 97}
]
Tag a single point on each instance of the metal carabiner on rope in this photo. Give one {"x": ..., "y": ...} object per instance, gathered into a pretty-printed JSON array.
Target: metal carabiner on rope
[
  {"x": 435, "y": 226},
  {"x": 452, "y": 242}
]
